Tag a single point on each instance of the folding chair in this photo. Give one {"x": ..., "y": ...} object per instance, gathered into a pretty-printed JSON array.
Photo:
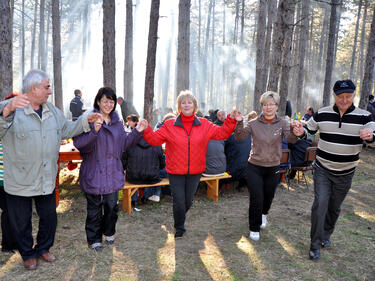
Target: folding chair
[
  {"x": 285, "y": 165},
  {"x": 310, "y": 156}
]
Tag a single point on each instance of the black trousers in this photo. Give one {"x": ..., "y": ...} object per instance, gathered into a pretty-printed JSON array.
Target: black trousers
[
  {"x": 7, "y": 242},
  {"x": 20, "y": 213},
  {"x": 101, "y": 216},
  {"x": 183, "y": 188},
  {"x": 329, "y": 193},
  {"x": 262, "y": 183}
]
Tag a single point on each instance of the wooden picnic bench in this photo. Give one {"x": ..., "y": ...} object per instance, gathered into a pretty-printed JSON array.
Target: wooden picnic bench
[{"x": 129, "y": 189}]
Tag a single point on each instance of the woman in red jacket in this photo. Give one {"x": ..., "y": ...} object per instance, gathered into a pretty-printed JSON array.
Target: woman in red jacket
[{"x": 186, "y": 138}]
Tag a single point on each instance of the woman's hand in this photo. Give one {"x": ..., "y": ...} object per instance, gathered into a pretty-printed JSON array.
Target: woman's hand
[
  {"x": 366, "y": 134},
  {"x": 236, "y": 114},
  {"x": 98, "y": 123},
  {"x": 297, "y": 128},
  {"x": 142, "y": 125},
  {"x": 92, "y": 117}
]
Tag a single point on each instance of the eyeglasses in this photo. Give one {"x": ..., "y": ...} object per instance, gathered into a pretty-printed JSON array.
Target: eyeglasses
[
  {"x": 269, "y": 105},
  {"x": 110, "y": 102}
]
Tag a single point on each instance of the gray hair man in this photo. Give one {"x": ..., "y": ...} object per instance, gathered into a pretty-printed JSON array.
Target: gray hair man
[
  {"x": 31, "y": 129},
  {"x": 343, "y": 128}
]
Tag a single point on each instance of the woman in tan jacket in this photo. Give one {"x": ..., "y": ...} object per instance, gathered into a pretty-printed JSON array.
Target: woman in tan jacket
[{"x": 267, "y": 132}]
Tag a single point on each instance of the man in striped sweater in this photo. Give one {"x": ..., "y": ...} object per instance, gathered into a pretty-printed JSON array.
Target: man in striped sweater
[{"x": 343, "y": 128}]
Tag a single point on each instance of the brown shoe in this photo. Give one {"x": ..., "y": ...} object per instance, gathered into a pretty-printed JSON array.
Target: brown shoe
[
  {"x": 31, "y": 264},
  {"x": 48, "y": 257}
]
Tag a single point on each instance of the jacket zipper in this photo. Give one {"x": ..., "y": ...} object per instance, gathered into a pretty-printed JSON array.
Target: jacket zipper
[{"x": 188, "y": 149}]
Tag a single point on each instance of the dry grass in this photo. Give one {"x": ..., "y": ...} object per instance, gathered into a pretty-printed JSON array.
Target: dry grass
[{"x": 215, "y": 246}]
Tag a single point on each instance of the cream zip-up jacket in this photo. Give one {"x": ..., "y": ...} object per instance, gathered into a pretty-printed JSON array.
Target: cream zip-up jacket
[
  {"x": 31, "y": 147},
  {"x": 266, "y": 139}
]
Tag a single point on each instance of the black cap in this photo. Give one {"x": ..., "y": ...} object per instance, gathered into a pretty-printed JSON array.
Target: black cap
[{"x": 343, "y": 86}]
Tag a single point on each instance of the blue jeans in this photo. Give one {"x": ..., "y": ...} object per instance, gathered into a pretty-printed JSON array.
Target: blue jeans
[{"x": 329, "y": 193}]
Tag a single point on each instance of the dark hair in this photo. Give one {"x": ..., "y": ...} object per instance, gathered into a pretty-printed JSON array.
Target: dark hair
[
  {"x": 370, "y": 97},
  {"x": 109, "y": 93},
  {"x": 311, "y": 109},
  {"x": 132, "y": 117},
  {"x": 77, "y": 92}
]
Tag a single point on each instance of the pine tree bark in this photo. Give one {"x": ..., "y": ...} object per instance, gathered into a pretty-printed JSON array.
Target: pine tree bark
[
  {"x": 362, "y": 43},
  {"x": 128, "y": 70},
  {"x": 212, "y": 54},
  {"x": 48, "y": 6},
  {"x": 288, "y": 17},
  {"x": 355, "y": 40},
  {"x": 302, "y": 50},
  {"x": 323, "y": 41},
  {"x": 109, "y": 46},
  {"x": 242, "y": 20},
  {"x": 23, "y": 40},
  {"x": 56, "y": 41},
  {"x": 330, "y": 52},
  {"x": 41, "y": 52},
  {"x": 183, "y": 51},
  {"x": 151, "y": 57},
  {"x": 366, "y": 88},
  {"x": 260, "y": 44},
  {"x": 6, "y": 54}
]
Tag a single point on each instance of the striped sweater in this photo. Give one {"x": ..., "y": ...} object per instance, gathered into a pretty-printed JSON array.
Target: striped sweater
[{"x": 339, "y": 144}]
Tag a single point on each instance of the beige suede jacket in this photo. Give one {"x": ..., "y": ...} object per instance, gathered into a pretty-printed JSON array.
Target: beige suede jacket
[{"x": 266, "y": 139}]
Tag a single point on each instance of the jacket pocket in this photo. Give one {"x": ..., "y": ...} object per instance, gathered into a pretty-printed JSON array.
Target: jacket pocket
[{"x": 23, "y": 173}]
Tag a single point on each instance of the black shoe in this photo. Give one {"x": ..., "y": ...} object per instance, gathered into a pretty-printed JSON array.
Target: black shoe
[
  {"x": 6, "y": 250},
  {"x": 326, "y": 244},
  {"x": 179, "y": 234},
  {"x": 314, "y": 254}
]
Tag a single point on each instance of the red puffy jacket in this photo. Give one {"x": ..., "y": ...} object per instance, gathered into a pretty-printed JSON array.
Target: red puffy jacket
[{"x": 186, "y": 154}]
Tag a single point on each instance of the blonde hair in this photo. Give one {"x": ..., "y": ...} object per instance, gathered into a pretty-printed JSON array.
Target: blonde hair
[
  {"x": 270, "y": 95},
  {"x": 186, "y": 95},
  {"x": 253, "y": 114}
]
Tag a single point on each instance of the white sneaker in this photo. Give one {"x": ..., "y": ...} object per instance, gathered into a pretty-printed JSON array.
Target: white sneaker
[
  {"x": 254, "y": 236},
  {"x": 110, "y": 239},
  {"x": 264, "y": 222},
  {"x": 154, "y": 198}
]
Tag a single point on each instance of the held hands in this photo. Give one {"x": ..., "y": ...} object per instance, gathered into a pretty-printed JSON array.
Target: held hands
[
  {"x": 142, "y": 125},
  {"x": 366, "y": 134},
  {"x": 92, "y": 117},
  {"x": 297, "y": 128},
  {"x": 98, "y": 123},
  {"x": 236, "y": 114},
  {"x": 20, "y": 101}
]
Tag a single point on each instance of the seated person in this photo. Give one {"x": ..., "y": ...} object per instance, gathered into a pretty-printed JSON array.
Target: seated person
[
  {"x": 308, "y": 114},
  {"x": 169, "y": 115},
  {"x": 297, "y": 154},
  {"x": 215, "y": 159},
  {"x": 143, "y": 164}
]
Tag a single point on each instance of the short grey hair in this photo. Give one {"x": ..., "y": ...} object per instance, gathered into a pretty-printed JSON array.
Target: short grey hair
[
  {"x": 270, "y": 95},
  {"x": 34, "y": 77}
]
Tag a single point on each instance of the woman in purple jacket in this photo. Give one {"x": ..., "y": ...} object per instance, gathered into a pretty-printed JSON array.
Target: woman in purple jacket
[{"x": 101, "y": 175}]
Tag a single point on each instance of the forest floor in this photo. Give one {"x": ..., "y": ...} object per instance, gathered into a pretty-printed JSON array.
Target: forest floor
[{"x": 216, "y": 245}]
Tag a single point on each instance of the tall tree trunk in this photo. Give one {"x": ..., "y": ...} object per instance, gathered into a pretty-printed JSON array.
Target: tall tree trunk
[
  {"x": 199, "y": 28},
  {"x": 212, "y": 54},
  {"x": 271, "y": 13},
  {"x": 330, "y": 52},
  {"x": 48, "y": 5},
  {"x": 242, "y": 20},
  {"x": 223, "y": 22},
  {"x": 302, "y": 50},
  {"x": 85, "y": 27},
  {"x": 261, "y": 28},
  {"x": 369, "y": 66},
  {"x": 23, "y": 40},
  {"x": 41, "y": 54},
  {"x": 355, "y": 40},
  {"x": 6, "y": 35},
  {"x": 287, "y": 52},
  {"x": 128, "y": 71},
  {"x": 203, "y": 79},
  {"x": 323, "y": 40},
  {"x": 109, "y": 45},
  {"x": 236, "y": 20},
  {"x": 151, "y": 57},
  {"x": 279, "y": 29},
  {"x": 362, "y": 43},
  {"x": 339, "y": 9},
  {"x": 56, "y": 41},
  {"x": 32, "y": 55},
  {"x": 183, "y": 51}
]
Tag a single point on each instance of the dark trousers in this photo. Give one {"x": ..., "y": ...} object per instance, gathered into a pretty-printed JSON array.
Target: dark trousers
[
  {"x": 101, "y": 216},
  {"x": 20, "y": 213},
  {"x": 329, "y": 193},
  {"x": 7, "y": 242},
  {"x": 183, "y": 188},
  {"x": 262, "y": 183}
]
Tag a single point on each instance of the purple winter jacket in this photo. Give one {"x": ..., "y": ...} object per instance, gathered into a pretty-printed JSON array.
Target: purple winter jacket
[{"x": 101, "y": 169}]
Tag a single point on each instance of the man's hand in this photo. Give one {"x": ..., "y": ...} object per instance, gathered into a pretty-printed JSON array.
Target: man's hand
[
  {"x": 20, "y": 101},
  {"x": 92, "y": 117},
  {"x": 142, "y": 125},
  {"x": 366, "y": 134},
  {"x": 297, "y": 128}
]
